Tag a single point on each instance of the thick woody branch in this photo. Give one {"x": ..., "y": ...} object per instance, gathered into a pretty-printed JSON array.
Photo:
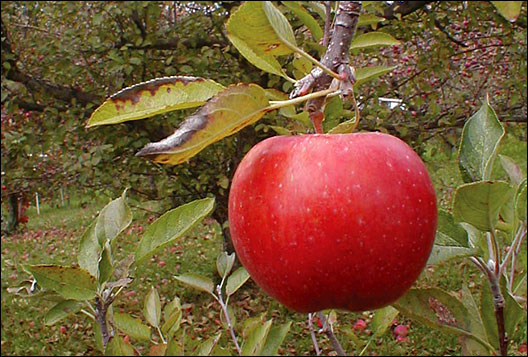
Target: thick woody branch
[{"x": 335, "y": 58}]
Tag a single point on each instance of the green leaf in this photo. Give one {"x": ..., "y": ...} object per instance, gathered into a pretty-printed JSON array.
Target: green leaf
[
  {"x": 170, "y": 308},
  {"x": 156, "y": 96},
  {"x": 113, "y": 219},
  {"x": 131, "y": 326},
  {"x": 306, "y": 18},
  {"x": 228, "y": 112},
  {"x": 476, "y": 324},
  {"x": 69, "y": 282},
  {"x": 255, "y": 342},
  {"x": 344, "y": 127},
  {"x": 172, "y": 323},
  {"x": 174, "y": 348},
  {"x": 152, "y": 308},
  {"x": 280, "y": 130},
  {"x": 105, "y": 264},
  {"x": 98, "y": 336},
  {"x": 172, "y": 225},
  {"x": 276, "y": 336},
  {"x": 487, "y": 313},
  {"x": 451, "y": 240},
  {"x": 479, "y": 203},
  {"x": 119, "y": 347},
  {"x": 197, "y": 281},
  {"x": 481, "y": 136},
  {"x": 90, "y": 251},
  {"x": 224, "y": 263},
  {"x": 264, "y": 61},
  {"x": 207, "y": 346},
  {"x": 510, "y": 10},
  {"x": 279, "y": 23},
  {"x": 368, "y": 20},
  {"x": 236, "y": 280},
  {"x": 373, "y": 39},
  {"x": 366, "y": 74},
  {"x": 252, "y": 33},
  {"x": 512, "y": 169},
  {"x": 520, "y": 201},
  {"x": 513, "y": 313},
  {"x": 382, "y": 320},
  {"x": 442, "y": 253},
  {"x": 435, "y": 308},
  {"x": 61, "y": 310},
  {"x": 449, "y": 232}
]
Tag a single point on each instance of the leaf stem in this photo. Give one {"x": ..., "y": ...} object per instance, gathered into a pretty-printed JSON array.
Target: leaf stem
[
  {"x": 226, "y": 315},
  {"x": 314, "y": 61},
  {"x": 284, "y": 103},
  {"x": 161, "y": 335},
  {"x": 330, "y": 334},
  {"x": 519, "y": 236},
  {"x": 312, "y": 334}
]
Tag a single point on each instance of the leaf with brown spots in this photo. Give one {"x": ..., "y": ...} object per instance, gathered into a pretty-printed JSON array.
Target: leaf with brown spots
[
  {"x": 435, "y": 308},
  {"x": 157, "y": 96},
  {"x": 260, "y": 32},
  {"x": 69, "y": 282},
  {"x": 228, "y": 112}
]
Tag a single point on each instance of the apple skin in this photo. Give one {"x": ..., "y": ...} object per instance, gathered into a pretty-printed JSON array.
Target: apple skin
[{"x": 341, "y": 221}]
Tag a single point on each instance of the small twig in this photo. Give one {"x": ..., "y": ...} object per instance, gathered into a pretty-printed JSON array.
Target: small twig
[
  {"x": 312, "y": 333},
  {"x": 226, "y": 315},
  {"x": 449, "y": 36},
  {"x": 519, "y": 236},
  {"x": 330, "y": 334}
]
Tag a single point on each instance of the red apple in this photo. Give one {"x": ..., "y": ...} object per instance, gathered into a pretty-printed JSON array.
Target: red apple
[{"x": 343, "y": 221}]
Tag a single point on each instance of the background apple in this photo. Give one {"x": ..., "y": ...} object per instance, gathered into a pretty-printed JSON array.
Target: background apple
[{"x": 343, "y": 221}]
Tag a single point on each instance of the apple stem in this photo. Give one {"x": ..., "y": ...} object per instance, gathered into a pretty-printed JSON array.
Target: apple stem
[
  {"x": 330, "y": 334},
  {"x": 312, "y": 333}
]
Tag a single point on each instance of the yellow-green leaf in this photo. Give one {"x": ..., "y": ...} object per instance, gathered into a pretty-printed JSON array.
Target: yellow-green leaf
[
  {"x": 368, "y": 20},
  {"x": 510, "y": 10},
  {"x": 258, "y": 38},
  {"x": 373, "y": 39},
  {"x": 131, "y": 326},
  {"x": 69, "y": 282},
  {"x": 197, "y": 281},
  {"x": 156, "y": 96},
  {"x": 231, "y": 110},
  {"x": 152, "y": 308},
  {"x": 61, "y": 310},
  {"x": 119, "y": 347},
  {"x": 306, "y": 18}
]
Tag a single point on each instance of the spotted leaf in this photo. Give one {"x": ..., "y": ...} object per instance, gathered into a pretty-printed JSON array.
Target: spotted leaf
[
  {"x": 157, "y": 96},
  {"x": 225, "y": 114},
  {"x": 260, "y": 32},
  {"x": 69, "y": 282}
]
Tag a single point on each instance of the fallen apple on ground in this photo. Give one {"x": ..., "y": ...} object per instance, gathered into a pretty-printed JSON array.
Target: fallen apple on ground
[{"x": 343, "y": 221}]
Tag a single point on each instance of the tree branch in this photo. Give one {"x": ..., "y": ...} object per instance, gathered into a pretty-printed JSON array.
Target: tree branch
[
  {"x": 335, "y": 58},
  {"x": 403, "y": 8}
]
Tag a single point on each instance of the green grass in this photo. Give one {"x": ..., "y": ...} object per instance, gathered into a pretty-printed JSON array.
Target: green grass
[{"x": 53, "y": 237}]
